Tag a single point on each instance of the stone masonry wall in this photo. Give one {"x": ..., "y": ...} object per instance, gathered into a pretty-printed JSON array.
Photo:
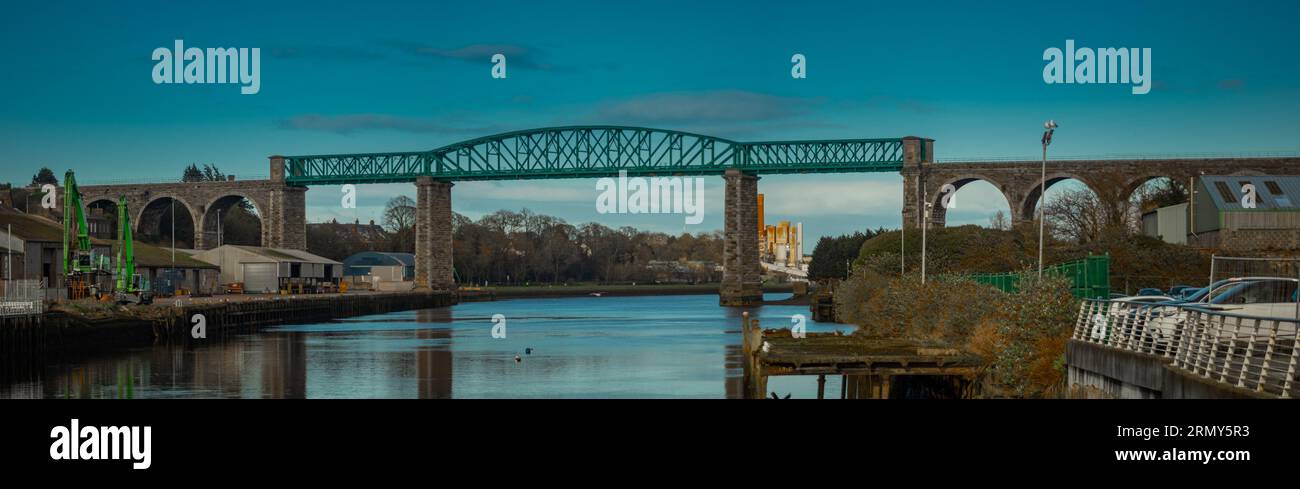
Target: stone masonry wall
[
  {"x": 742, "y": 275},
  {"x": 434, "y": 268}
]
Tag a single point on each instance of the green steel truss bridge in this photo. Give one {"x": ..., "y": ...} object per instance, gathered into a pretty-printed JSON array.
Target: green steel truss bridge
[{"x": 596, "y": 151}]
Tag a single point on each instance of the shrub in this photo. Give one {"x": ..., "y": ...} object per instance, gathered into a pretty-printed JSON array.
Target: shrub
[
  {"x": 1020, "y": 336},
  {"x": 1023, "y": 338},
  {"x": 944, "y": 308}
]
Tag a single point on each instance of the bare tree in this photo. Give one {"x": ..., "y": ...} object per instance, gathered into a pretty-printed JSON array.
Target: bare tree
[
  {"x": 1076, "y": 215},
  {"x": 999, "y": 221},
  {"x": 399, "y": 214}
]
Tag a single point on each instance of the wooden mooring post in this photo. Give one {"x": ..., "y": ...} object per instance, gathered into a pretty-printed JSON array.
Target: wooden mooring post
[{"x": 751, "y": 333}]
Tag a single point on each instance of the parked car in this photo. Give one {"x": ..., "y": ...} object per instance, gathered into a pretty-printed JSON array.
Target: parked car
[
  {"x": 1273, "y": 297},
  {"x": 1129, "y": 310},
  {"x": 1249, "y": 296},
  {"x": 1199, "y": 293},
  {"x": 1177, "y": 290},
  {"x": 1150, "y": 291}
]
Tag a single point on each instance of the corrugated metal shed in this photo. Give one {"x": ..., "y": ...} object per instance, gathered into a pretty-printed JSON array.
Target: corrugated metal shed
[
  {"x": 1273, "y": 192},
  {"x": 236, "y": 260}
]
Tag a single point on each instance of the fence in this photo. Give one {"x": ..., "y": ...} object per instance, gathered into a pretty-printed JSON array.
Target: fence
[
  {"x": 1089, "y": 277},
  {"x": 1222, "y": 267},
  {"x": 1257, "y": 353},
  {"x": 22, "y": 297}
]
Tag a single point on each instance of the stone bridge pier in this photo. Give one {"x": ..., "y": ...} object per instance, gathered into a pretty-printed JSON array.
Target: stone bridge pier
[
  {"x": 742, "y": 275},
  {"x": 917, "y": 153},
  {"x": 433, "y": 239}
]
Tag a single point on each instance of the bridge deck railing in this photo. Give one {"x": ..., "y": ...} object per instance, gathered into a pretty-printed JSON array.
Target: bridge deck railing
[{"x": 1250, "y": 352}]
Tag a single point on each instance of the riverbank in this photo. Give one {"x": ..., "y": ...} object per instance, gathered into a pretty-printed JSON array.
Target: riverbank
[
  {"x": 682, "y": 346},
  {"x": 94, "y": 326},
  {"x": 530, "y": 291}
]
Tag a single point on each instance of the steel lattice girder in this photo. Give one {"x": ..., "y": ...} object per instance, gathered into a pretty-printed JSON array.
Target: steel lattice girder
[{"x": 597, "y": 151}]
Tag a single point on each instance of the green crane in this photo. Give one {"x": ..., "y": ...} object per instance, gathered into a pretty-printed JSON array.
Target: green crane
[
  {"x": 128, "y": 286},
  {"x": 79, "y": 261}
]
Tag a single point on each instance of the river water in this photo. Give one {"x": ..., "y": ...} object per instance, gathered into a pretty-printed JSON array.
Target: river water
[{"x": 600, "y": 347}]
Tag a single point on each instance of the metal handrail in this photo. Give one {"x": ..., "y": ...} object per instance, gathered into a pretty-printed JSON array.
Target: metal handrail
[{"x": 1251, "y": 352}]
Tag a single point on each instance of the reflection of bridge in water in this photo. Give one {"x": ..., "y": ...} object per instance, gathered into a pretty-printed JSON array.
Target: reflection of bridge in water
[{"x": 604, "y": 151}]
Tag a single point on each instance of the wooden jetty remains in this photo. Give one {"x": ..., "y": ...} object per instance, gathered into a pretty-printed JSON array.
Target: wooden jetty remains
[{"x": 868, "y": 366}]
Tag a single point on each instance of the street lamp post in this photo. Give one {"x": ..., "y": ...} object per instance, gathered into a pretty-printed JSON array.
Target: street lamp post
[
  {"x": 1050, "y": 127},
  {"x": 925, "y": 224},
  {"x": 902, "y": 236}
]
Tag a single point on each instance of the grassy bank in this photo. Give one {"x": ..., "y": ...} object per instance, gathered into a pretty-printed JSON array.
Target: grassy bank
[
  {"x": 573, "y": 290},
  {"x": 1136, "y": 261}
]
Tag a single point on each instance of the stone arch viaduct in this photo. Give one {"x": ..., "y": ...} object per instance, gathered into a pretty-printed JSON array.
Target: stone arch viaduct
[
  {"x": 1113, "y": 181},
  {"x": 281, "y": 207},
  {"x": 599, "y": 151}
]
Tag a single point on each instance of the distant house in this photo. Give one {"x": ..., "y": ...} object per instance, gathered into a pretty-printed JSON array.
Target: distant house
[
  {"x": 366, "y": 232},
  {"x": 1220, "y": 217},
  {"x": 100, "y": 225},
  {"x": 266, "y": 270}
]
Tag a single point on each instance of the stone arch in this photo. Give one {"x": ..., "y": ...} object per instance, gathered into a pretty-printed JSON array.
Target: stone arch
[
  {"x": 939, "y": 213},
  {"x": 223, "y": 203},
  {"x": 1132, "y": 184},
  {"x": 148, "y": 218},
  {"x": 1027, "y": 206},
  {"x": 1136, "y": 209}
]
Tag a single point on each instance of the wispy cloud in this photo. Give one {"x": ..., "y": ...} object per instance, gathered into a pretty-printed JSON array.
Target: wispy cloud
[
  {"x": 889, "y": 102},
  {"x": 702, "y": 108},
  {"x": 325, "y": 53},
  {"x": 352, "y": 123},
  {"x": 1232, "y": 84},
  {"x": 517, "y": 56},
  {"x": 725, "y": 113}
]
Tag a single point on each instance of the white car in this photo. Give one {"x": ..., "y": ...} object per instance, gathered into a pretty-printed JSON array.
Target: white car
[{"x": 1126, "y": 306}]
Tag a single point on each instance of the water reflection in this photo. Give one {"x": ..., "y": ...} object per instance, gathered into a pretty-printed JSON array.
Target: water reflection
[
  {"x": 672, "y": 346},
  {"x": 433, "y": 358},
  {"x": 284, "y": 366}
]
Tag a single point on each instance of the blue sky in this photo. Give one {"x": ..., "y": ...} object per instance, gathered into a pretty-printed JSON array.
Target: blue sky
[{"x": 339, "y": 77}]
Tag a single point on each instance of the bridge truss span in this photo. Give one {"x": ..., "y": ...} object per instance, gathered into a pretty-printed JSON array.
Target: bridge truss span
[
  {"x": 832, "y": 156},
  {"x": 596, "y": 151},
  {"x": 583, "y": 152}
]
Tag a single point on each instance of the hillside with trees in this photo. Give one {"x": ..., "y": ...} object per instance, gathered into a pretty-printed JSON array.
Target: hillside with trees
[{"x": 509, "y": 247}]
